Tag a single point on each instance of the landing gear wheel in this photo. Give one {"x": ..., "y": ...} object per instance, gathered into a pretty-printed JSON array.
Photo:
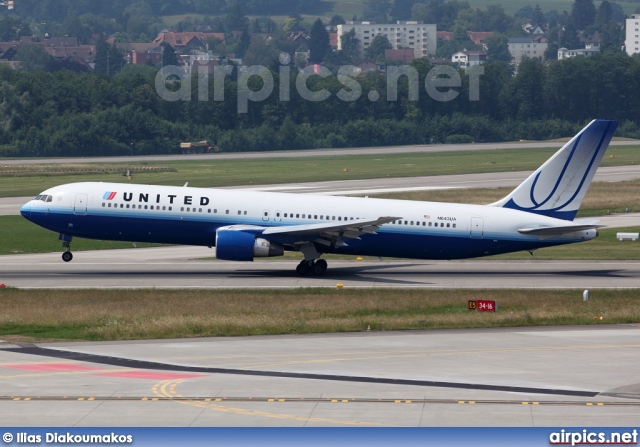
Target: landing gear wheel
[
  {"x": 67, "y": 256},
  {"x": 303, "y": 269},
  {"x": 319, "y": 267}
]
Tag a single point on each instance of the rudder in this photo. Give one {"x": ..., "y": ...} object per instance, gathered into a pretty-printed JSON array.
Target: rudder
[{"x": 557, "y": 188}]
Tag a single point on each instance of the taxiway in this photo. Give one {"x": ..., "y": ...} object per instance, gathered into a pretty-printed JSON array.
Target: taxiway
[{"x": 556, "y": 376}]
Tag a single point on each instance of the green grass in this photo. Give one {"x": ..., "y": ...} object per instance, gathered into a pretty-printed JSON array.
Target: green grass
[
  {"x": 41, "y": 315},
  {"x": 20, "y": 236},
  {"x": 349, "y": 8},
  {"x": 219, "y": 172}
]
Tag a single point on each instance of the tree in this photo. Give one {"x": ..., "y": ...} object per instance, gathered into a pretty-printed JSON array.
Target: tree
[
  {"x": 376, "y": 10},
  {"x": 376, "y": 49},
  {"x": 260, "y": 53},
  {"x": 337, "y": 20},
  {"x": 243, "y": 43},
  {"x": 401, "y": 9},
  {"x": 319, "y": 44},
  {"x": 498, "y": 48},
  {"x": 350, "y": 45},
  {"x": 583, "y": 13},
  {"x": 537, "y": 17},
  {"x": 570, "y": 36},
  {"x": 32, "y": 57},
  {"x": 109, "y": 60},
  {"x": 526, "y": 13},
  {"x": 12, "y": 29},
  {"x": 444, "y": 14},
  {"x": 235, "y": 20},
  {"x": 169, "y": 56}
]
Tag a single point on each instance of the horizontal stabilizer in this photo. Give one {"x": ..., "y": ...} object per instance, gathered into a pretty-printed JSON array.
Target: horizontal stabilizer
[{"x": 557, "y": 231}]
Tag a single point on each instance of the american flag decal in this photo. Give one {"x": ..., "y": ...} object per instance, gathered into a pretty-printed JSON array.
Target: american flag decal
[{"x": 427, "y": 216}]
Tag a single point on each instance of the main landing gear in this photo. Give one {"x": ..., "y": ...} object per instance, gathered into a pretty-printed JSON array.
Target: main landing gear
[
  {"x": 311, "y": 265},
  {"x": 316, "y": 268}
]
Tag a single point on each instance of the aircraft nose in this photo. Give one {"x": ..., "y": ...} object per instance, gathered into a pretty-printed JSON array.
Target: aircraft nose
[{"x": 26, "y": 210}]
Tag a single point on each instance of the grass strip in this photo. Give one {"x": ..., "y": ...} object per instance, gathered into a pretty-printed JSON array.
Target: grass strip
[
  {"x": 246, "y": 172},
  {"x": 20, "y": 236},
  {"x": 47, "y": 315}
]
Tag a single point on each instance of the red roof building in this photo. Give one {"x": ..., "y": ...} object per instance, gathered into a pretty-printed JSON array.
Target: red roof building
[{"x": 405, "y": 56}]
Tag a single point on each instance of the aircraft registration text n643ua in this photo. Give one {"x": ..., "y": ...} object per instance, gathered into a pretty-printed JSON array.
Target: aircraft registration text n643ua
[{"x": 244, "y": 225}]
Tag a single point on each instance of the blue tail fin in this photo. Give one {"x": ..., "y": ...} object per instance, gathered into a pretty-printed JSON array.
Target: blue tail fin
[{"x": 557, "y": 188}]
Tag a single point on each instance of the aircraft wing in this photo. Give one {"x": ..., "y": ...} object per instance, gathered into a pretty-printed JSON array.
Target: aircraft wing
[{"x": 331, "y": 233}]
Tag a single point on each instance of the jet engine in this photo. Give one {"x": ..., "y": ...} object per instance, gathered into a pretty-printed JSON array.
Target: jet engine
[{"x": 234, "y": 245}]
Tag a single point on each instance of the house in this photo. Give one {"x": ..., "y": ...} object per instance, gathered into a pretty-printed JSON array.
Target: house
[
  {"x": 405, "y": 56},
  {"x": 564, "y": 53},
  {"x": 366, "y": 67},
  {"x": 183, "y": 40},
  {"x": 479, "y": 37},
  {"x": 467, "y": 58},
  {"x": 591, "y": 47},
  {"x": 333, "y": 40},
  {"x": 141, "y": 53},
  {"x": 60, "y": 48},
  {"x": 83, "y": 54},
  {"x": 521, "y": 47},
  {"x": 298, "y": 39},
  {"x": 533, "y": 29},
  {"x": 590, "y": 42},
  {"x": 7, "y": 51},
  {"x": 539, "y": 38}
]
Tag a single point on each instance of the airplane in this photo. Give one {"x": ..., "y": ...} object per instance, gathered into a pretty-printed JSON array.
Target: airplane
[{"x": 244, "y": 225}]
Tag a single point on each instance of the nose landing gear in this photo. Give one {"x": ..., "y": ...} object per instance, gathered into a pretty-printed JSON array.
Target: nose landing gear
[
  {"x": 66, "y": 244},
  {"x": 67, "y": 255}
]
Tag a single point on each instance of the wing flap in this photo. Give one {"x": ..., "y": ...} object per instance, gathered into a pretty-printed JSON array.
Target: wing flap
[{"x": 349, "y": 229}]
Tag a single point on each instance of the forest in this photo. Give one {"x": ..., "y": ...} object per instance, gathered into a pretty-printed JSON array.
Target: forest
[
  {"x": 67, "y": 114},
  {"x": 53, "y": 108}
]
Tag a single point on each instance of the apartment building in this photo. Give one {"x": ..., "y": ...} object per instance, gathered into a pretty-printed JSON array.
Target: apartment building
[{"x": 419, "y": 37}]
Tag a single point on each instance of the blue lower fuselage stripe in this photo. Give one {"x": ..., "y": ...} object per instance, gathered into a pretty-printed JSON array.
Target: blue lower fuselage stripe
[{"x": 389, "y": 242}]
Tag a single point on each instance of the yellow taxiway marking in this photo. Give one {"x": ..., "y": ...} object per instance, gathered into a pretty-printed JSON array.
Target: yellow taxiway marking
[{"x": 162, "y": 389}]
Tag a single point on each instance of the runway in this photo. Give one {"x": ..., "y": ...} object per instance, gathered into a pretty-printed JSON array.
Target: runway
[
  {"x": 12, "y": 205},
  {"x": 303, "y": 153},
  {"x": 555, "y": 376},
  {"x": 184, "y": 268}
]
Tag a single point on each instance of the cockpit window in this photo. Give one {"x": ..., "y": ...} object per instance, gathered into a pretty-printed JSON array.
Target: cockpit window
[
  {"x": 38, "y": 197},
  {"x": 44, "y": 198},
  {"x": 49, "y": 199}
]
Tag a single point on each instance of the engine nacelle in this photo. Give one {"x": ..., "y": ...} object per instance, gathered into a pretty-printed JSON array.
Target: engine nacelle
[{"x": 234, "y": 245}]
